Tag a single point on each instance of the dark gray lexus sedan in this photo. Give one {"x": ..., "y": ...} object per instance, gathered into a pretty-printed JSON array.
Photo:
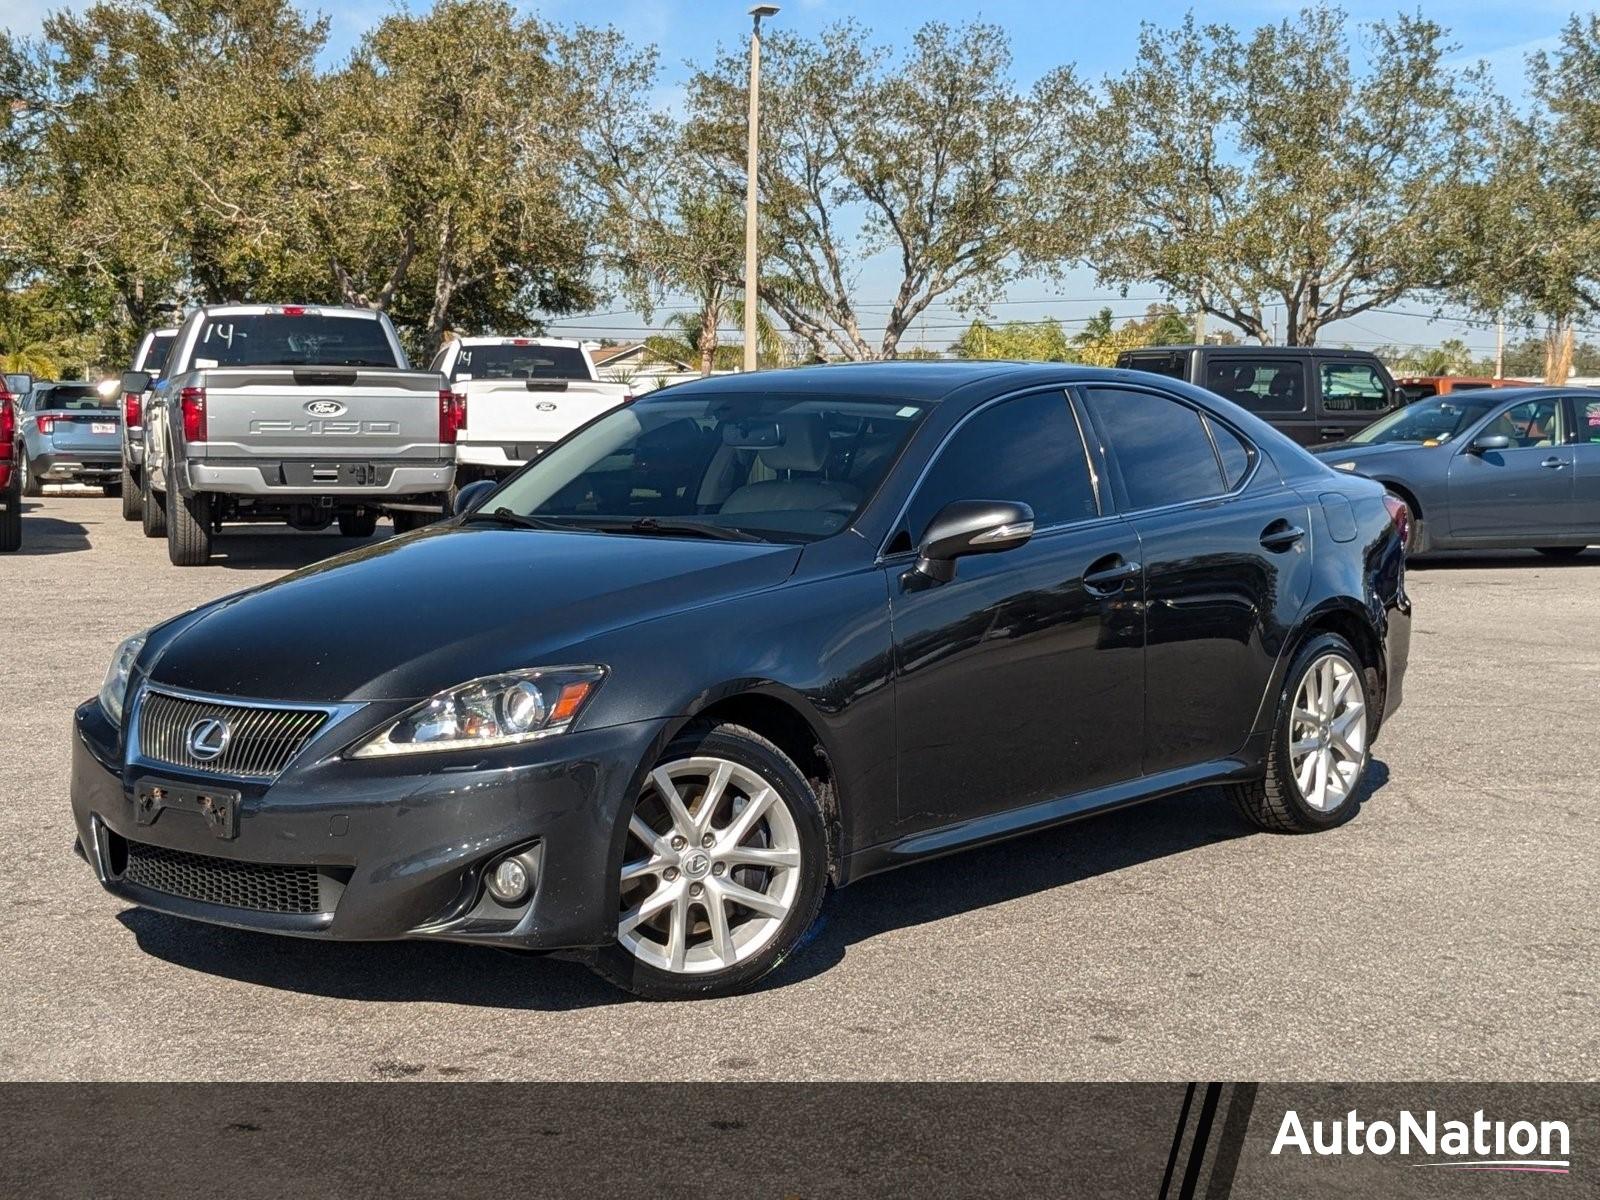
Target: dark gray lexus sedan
[{"x": 748, "y": 637}]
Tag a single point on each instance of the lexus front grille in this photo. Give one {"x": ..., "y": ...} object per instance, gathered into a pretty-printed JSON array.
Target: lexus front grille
[{"x": 256, "y": 741}]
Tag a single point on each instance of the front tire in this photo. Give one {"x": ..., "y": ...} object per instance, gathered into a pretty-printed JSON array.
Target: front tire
[
  {"x": 11, "y": 525},
  {"x": 1321, "y": 744},
  {"x": 132, "y": 495},
  {"x": 724, "y": 868},
  {"x": 188, "y": 528}
]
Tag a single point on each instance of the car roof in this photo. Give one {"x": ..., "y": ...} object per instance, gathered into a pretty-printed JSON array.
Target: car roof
[
  {"x": 915, "y": 379},
  {"x": 260, "y": 310},
  {"x": 1247, "y": 351}
]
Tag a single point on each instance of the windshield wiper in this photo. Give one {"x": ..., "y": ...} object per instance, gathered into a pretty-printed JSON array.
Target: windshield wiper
[
  {"x": 504, "y": 516},
  {"x": 672, "y": 526}
]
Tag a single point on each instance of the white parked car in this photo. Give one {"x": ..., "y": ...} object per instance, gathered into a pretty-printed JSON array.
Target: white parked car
[{"x": 523, "y": 394}]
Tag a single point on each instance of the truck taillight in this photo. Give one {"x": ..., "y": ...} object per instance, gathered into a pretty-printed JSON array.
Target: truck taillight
[
  {"x": 192, "y": 400},
  {"x": 452, "y": 415},
  {"x": 293, "y": 310},
  {"x": 8, "y": 427},
  {"x": 132, "y": 409}
]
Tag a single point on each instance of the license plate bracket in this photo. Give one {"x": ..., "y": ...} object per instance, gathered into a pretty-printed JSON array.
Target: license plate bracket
[{"x": 218, "y": 807}]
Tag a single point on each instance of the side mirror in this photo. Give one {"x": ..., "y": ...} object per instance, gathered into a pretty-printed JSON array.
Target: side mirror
[
  {"x": 965, "y": 527},
  {"x": 474, "y": 494},
  {"x": 136, "y": 382},
  {"x": 1489, "y": 441},
  {"x": 19, "y": 384}
]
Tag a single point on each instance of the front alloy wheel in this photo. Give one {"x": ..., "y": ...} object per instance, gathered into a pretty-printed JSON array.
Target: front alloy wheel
[{"x": 723, "y": 867}]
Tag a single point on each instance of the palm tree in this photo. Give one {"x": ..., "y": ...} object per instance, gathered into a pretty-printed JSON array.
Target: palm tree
[
  {"x": 24, "y": 357},
  {"x": 694, "y": 336}
]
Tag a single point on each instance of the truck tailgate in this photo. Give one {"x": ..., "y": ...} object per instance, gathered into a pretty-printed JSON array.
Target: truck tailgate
[
  {"x": 320, "y": 413},
  {"x": 517, "y": 411}
]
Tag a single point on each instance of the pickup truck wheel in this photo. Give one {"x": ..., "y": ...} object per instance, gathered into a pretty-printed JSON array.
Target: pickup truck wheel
[
  {"x": 358, "y": 525},
  {"x": 188, "y": 529},
  {"x": 152, "y": 508},
  {"x": 132, "y": 495},
  {"x": 11, "y": 525},
  {"x": 30, "y": 482}
]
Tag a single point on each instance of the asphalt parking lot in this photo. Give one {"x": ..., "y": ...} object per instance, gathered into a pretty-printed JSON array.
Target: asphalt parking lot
[{"x": 1450, "y": 931}]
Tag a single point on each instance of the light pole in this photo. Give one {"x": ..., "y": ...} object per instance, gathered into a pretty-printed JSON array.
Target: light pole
[{"x": 752, "y": 265}]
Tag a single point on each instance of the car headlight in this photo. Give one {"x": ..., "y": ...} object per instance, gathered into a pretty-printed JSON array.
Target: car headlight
[
  {"x": 496, "y": 710},
  {"x": 114, "y": 691}
]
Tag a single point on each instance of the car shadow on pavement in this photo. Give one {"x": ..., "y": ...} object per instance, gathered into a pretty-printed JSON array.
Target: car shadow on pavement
[
  {"x": 441, "y": 972},
  {"x": 258, "y": 550},
  {"x": 1447, "y": 560},
  {"x": 50, "y": 535}
]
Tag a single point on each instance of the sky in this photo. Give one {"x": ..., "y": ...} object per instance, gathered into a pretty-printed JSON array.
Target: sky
[{"x": 1098, "y": 38}]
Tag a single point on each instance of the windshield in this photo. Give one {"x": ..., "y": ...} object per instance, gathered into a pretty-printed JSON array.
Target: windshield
[
  {"x": 520, "y": 362},
  {"x": 1430, "y": 422},
  {"x": 280, "y": 340},
  {"x": 783, "y": 468}
]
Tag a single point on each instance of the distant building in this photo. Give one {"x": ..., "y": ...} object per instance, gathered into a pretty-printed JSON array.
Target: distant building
[{"x": 634, "y": 362}]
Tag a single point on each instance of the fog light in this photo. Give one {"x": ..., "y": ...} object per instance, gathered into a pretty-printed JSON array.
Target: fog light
[{"x": 508, "y": 882}]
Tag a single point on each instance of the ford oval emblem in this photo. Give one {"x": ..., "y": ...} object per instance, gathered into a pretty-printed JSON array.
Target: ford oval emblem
[
  {"x": 325, "y": 408},
  {"x": 208, "y": 738},
  {"x": 545, "y": 406}
]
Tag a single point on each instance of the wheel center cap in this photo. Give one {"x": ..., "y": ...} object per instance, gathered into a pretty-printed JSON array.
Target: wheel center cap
[{"x": 696, "y": 864}]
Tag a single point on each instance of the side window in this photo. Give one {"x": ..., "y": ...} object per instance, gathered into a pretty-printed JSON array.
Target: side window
[
  {"x": 1172, "y": 366},
  {"x": 1233, "y": 452},
  {"x": 1161, "y": 448},
  {"x": 1352, "y": 387},
  {"x": 1027, "y": 449},
  {"x": 1587, "y": 431},
  {"x": 1260, "y": 386},
  {"x": 1532, "y": 425}
]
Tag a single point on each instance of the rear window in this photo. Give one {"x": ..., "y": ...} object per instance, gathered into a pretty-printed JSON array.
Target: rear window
[
  {"x": 156, "y": 356},
  {"x": 276, "y": 340},
  {"x": 71, "y": 397},
  {"x": 520, "y": 362}
]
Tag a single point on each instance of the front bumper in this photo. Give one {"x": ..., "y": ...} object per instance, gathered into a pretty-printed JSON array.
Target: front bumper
[{"x": 398, "y": 846}]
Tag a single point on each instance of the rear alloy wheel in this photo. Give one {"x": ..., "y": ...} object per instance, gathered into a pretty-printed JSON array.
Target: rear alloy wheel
[
  {"x": 31, "y": 484},
  {"x": 1320, "y": 746},
  {"x": 723, "y": 868},
  {"x": 132, "y": 495}
]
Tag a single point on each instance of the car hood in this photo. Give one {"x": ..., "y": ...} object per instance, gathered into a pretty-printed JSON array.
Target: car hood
[
  {"x": 407, "y": 617},
  {"x": 1362, "y": 455}
]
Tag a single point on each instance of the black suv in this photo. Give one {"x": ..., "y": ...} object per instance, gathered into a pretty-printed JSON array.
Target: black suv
[{"x": 1314, "y": 395}]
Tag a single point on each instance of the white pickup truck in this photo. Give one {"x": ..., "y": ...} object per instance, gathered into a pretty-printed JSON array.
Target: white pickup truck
[
  {"x": 291, "y": 414},
  {"x": 522, "y": 395}
]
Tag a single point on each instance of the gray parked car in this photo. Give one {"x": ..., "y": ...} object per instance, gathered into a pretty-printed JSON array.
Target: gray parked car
[
  {"x": 71, "y": 432},
  {"x": 1516, "y": 468},
  {"x": 150, "y": 358}
]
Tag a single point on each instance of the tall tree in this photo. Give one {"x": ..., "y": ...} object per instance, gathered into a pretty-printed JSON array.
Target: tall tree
[
  {"x": 1241, "y": 172},
  {"x": 1536, "y": 239},
  {"x": 934, "y": 160}
]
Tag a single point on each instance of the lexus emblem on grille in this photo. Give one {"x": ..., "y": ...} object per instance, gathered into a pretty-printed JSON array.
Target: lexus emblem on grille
[
  {"x": 208, "y": 738},
  {"x": 325, "y": 408}
]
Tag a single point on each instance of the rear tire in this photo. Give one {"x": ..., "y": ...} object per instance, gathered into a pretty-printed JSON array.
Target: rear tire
[
  {"x": 11, "y": 525},
  {"x": 358, "y": 525},
  {"x": 188, "y": 529},
  {"x": 31, "y": 486},
  {"x": 1561, "y": 551},
  {"x": 132, "y": 495},
  {"x": 1297, "y": 795},
  {"x": 152, "y": 508},
  {"x": 708, "y": 868}
]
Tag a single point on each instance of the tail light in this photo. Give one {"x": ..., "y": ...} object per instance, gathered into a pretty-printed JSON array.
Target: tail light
[
  {"x": 293, "y": 310},
  {"x": 132, "y": 409},
  {"x": 452, "y": 415},
  {"x": 45, "y": 424},
  {"x": 8, "y": 436},
  {"x": 1400, "y": 514},
  {"x": 192, "y": 400}
]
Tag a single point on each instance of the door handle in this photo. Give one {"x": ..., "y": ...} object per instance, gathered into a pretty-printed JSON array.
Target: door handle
[
  {"x": 1554, "y": 463},
  {"x": 1332, "y": 431},
  {"x": 1109, "y": 575},
  {"x": 1281, "y": 535}
]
